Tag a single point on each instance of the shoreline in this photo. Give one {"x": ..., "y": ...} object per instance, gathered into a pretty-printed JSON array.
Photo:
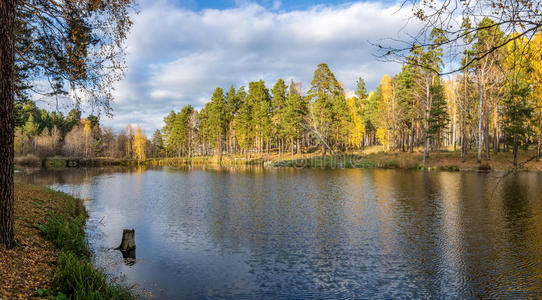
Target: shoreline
[
  {"x": 444, "y": 161},
  {"x": 52, "y": 254}
]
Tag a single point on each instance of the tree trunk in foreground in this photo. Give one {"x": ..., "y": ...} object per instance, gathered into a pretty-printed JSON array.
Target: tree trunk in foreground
[{"x": 7, "y": 18}]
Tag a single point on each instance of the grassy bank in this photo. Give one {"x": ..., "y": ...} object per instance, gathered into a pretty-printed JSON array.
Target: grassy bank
[
  {"x": 31, "y": 160},
  {"x": 52, "y": 259},
  {"x": 446, "y": 161},
  {"x": 368, "y": 159}
]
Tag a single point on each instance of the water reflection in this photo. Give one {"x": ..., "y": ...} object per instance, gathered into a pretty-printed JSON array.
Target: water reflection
[{"x": 309, "y": 233}]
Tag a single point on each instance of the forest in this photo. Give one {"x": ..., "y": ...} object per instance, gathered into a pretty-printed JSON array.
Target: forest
[
  {"x": 41, "y": 134},
  {"x": 493, "y": 105}
]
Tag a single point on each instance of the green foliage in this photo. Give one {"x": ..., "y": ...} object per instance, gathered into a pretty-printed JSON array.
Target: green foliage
[
  {"x": 75, "y": 277},
  {"x": 370, "y": 110},
  {"x": 244, "y": 122},
  {"x": 517, "y": 111},
  {"x": 67, "y": 235},
  {"x": 438, "y": 115},
  {"x": 295, "y": 111},
  {"x": 328, "y": 105},
  {"x": 279, "y": 109},
  {"x": 361, "y": 90},
  {"x": 30, "y": 127},
  {"x": 258, "y": 96},
  {"x": 79, "y": 280},
  {"x": 218, "y": 118}
]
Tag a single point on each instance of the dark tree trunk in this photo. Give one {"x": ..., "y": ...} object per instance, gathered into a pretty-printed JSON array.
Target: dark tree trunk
[
  {"x": 515, "y": 151},
  {"x": 412, "y": 135},
  {"x": 128, "y": 240},
  {"x": 7, "y": 18},
  {"x": 495, "y": 141}
]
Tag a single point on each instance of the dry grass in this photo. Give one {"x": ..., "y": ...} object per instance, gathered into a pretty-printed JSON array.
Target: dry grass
[
  {"x": 28, "y": 160},
  {"x": 371, "y": 157}
]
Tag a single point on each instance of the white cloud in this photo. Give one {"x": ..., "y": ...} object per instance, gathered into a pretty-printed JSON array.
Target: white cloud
[{"x": 177, "y": 56}]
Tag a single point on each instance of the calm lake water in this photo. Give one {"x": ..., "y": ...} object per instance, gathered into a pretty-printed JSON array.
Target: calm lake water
[{"x": 310, "y": 233}]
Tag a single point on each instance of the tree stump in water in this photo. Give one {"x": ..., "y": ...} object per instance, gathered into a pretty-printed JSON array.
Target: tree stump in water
[{"x": 128, "y": 240}]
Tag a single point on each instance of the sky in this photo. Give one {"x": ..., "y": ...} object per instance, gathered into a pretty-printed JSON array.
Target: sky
[{"x": 180, "y": 51}]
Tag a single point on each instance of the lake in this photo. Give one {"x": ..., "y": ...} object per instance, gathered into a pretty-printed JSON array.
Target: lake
[{"x": 286, "y": 233}]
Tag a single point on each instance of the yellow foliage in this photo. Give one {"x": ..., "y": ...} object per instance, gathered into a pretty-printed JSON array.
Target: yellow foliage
[
  {"x": 383, "y": 135},
  {"x": 357, "y": 129},
  {"x": 86, "y": 126},
  {"x": 385, "y": 112},
  {"x": 535, "y": 79},
  {"x": 138, "y": 144}
]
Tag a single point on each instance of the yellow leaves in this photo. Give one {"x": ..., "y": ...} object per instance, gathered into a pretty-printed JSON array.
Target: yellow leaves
[
  {"x": 30, "y": 266},
  {"x": 386, "y": 88},
  {"x": 357, "y": 129},
  {"x": 535, "y": 79},
  {"x": 138, "y": 145},
  {"x": 383, "y": 135},
  {"x": 385, "y": 111},
  {"x": 87, "y": 128}
]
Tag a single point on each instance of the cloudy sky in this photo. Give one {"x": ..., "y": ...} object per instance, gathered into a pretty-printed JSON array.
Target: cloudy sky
[{"x": 179, "y": 51}]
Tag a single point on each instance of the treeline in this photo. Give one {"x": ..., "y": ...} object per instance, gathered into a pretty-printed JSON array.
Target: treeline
[
  {"x": 494, "y": 105},
  {"x": 46, "y": 134}
]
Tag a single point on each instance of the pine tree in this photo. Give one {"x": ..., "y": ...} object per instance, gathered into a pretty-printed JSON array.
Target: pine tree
[
  {"x": 232, "y": 108},
  {"x": 438, "y": 116},
  {"x": 324, "y": 92},
  {"x": 278, "y": 111},
  {"x": 30, "y": 127},
  {"x": 260, "y": 99},
  {"x": 158, "y": 141},
  {"x": 218, "y": 118},
  {"x": 295, "y": 111}
]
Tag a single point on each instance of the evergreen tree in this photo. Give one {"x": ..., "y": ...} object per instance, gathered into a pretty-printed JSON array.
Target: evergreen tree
[
  {"x": 30, "y": 127},
  {"x": 438, "y": 116},
  {"x": 295, "y": 111},
  {"x": 361, "y": 90},
  {"x": 278, "y": 111},
  {"x": 158, "y": 141},
  {"x": 325, "y": 91},
  {"x": 218, "y": 118},
  {"x": 260, "y": 99},
  {"x": 232, "y": 108}
]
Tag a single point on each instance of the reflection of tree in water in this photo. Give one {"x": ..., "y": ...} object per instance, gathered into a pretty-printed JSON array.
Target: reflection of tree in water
[
  {"x": 72, "y": 176},
  {"x": 333, "y": 233},
  {"x": 522, "y": 232}
]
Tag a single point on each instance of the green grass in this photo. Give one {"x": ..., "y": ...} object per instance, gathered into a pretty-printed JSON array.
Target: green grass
[
  {"x": 78, "y": 279},
  {"x": 75, "y": 277},
  {"x": 67, "y": 235}
]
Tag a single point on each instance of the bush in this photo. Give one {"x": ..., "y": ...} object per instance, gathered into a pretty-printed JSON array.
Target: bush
[
  {"x": 78, "y": 279},
  {"x": 392, "y": 164},
  {"x": 449, "y": 168},
  {"x": 484, "y": 167},
  {"x": 366, "y": 164},
  {"x": 28, "y": 160}
]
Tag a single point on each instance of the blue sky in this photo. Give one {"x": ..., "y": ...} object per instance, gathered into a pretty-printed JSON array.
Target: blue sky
[{"x": 179, "y": 51}]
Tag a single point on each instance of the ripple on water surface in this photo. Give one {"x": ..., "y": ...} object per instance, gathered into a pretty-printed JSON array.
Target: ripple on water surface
[{"x": 309, "y": 233}]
